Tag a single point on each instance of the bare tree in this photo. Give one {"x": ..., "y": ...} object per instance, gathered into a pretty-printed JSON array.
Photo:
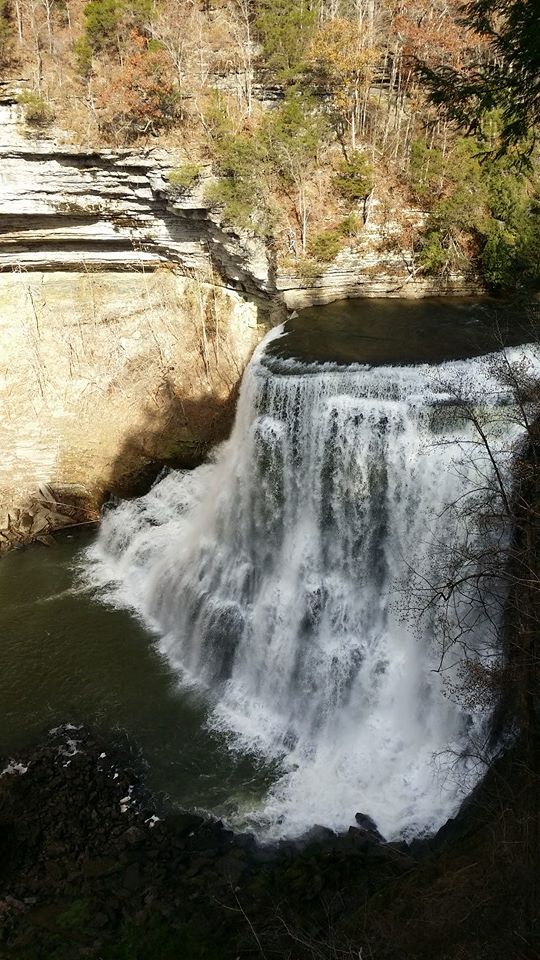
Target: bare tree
[{"x": 486, "y": 581}]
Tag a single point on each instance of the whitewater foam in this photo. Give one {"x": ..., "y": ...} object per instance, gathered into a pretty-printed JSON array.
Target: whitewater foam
[{"x": 275, "y": 577}]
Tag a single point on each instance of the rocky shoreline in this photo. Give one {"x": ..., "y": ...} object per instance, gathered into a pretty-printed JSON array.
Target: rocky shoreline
[
  {"x": 91, "y": 865},
  {"x": 85, "y": 857}
]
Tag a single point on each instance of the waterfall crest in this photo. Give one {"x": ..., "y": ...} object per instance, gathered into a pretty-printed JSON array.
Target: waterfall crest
[{"x": 275, "y": 576}]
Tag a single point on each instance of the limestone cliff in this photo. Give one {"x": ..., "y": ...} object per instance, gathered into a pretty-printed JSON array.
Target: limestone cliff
[
  {"x": 104, "y": 373},
  {"x": 126, "y": 319}
]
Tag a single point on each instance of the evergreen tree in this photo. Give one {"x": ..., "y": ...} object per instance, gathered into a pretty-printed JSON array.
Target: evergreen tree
[
  {"x": 509, "y": 80},
  {"x": 285, "y": 28},
  {"x": 6, "y": 33}
]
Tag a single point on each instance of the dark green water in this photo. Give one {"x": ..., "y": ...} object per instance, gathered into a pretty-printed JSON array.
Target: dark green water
[
  {"x": 394, "y": 331},
  {"x": 64, "y": 657}
]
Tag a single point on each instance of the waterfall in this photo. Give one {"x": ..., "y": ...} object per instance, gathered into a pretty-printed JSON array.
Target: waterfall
[{"x": 277, "y": 574}]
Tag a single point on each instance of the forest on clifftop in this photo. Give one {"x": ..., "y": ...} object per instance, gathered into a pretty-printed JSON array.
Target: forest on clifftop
[{"x": 307, "y": 113}]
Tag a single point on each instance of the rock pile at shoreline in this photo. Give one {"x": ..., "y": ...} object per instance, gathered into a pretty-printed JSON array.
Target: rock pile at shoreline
[{"x": 85, "y": 857}]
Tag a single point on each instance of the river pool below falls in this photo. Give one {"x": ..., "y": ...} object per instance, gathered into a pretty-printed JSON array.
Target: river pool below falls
[{"x": 65, "y": 657}]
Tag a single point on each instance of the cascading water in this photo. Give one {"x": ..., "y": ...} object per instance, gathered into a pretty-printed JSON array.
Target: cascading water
[{"x": 275, "y": 577}]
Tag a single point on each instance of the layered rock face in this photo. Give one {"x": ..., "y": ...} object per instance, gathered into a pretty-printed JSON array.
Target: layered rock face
[
  {"x": 66, "y": 209},
  {"x": 381, "y": 265},
  {"x": 126, "y": 320}
]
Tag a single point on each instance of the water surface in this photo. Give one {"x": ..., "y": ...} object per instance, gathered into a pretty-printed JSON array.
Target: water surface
[
  {"x": 67, "y": 657},
  {"x": 395, "y": 331}
]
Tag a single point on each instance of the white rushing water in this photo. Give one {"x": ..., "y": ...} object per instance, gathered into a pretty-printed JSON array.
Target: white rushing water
[{"x": 277, "y": 574}]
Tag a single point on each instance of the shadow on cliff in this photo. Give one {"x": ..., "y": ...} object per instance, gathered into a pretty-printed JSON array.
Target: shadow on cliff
[{"x": 173, "y": 432}]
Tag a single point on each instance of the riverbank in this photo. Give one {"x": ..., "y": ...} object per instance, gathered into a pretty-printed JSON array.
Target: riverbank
[{"x": 93, "y": 866}]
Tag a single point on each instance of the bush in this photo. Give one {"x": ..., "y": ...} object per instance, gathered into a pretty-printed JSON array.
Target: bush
[
  {"x": 105, "y": 18},
  {"x": 236, "y": 207},
  {"x": 83, "y": 53},
  {"x": 354, "y": 177},
  {"x": 76, "y": 916},
  {"x": 325, "y": 246},
  {"x": 307, "y": 269},
  {"x": 141, "y": 96},
  {"x": 498, "y": 259},
  {"x": 101, "y": 21},
  {"x": 433, "y": 255},
  {"x": 185, "y": 176},
  {"x": 241, "y": 189},
  {"x": 284, "y": 30},
  {"x": 37, "y": 111},
  {"x": 528, "y": 254},
  {"x": 350, "y": 226},
  {"x": 426, "y": 171},
  {"x": 6, "y": 34}
]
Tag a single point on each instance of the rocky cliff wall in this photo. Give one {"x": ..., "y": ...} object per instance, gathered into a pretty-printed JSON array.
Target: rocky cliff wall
[
  {"x": 68, "y": 208},
  {"x": 102, "y": 375},
  {"x": 127, "y": 316},
  {"x": 380, "y": 262}
]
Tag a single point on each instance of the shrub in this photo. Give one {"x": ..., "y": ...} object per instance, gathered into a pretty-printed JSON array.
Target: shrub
[
  {"x": 284, "y": 30},
  {"x": 241, "y": 189},
  {"x": 307, "y": 269},
  {"x": 141, "y": 96},
  {"x": 76, "y": 916},
  {"x": 325, "y": 246},
  {"x": 6, "y": 34},
  {"x": 184, "y": 177},
  {"x": 350, "y": 226},
  {"x": 529, "y": 248},
  {"x": 433, "y": 255},
  {"x": 354, "y": 177},
  {"x": 426, "y": 171},
  {"x": 101, "y": 21},
  {"x": 37, "y": 111},
  {"x": 236, "y": 208},
  {"x": 498, "y": 259},
  {"x": 83, "y": 53},
  {"x": 105, "y": 19}
]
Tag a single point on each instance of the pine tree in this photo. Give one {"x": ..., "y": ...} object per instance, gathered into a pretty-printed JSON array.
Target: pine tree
[{"x": 508, "y": 80}]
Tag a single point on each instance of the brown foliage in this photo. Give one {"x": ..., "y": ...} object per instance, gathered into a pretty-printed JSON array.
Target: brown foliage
[{"x": 140, "y": 97}]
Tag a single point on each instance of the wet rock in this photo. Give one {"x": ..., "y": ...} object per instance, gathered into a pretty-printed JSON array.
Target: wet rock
[
  {"x": 133, "y": 836},
  {"x": 266, "y": 854},
  {"x": 231, "y": 867},
  {"x": 196, "y": 866},
  {"x": 132, "y": 878},
  {"x": 100, "y": 868},
  {"x": 317, "y": 835},
  {"x": 55, "y": 871},
  {"x": 245, "y": 841},
  {"x": 366, "y": 823},
  {"x": 184, "y": 823},
  {"x": 67, "y": 844}
]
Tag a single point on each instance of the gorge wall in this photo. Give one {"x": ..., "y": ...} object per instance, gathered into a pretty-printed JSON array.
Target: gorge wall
[
  {"x": 127, "y": 315},
  {"x": 126, "y": 322},
  {"x": 103, "y": 374}
]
